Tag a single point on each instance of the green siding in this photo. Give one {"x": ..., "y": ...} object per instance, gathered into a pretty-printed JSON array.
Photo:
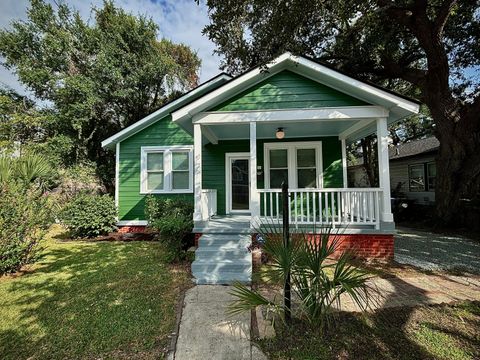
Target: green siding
[
  {"x": 213, "y": 176},
  {"x": 162, "y": 133},
  {"x": 287, "y": 90},
  {"x": 214, "y": 163}
]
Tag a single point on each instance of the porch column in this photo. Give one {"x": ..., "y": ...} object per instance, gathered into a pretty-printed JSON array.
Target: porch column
[
  {"x": 254, "y": 196},
  {"x": 197, "y": 165},
  {"x": 344, "y": 163},
  {"x": 386, "y": 215}
]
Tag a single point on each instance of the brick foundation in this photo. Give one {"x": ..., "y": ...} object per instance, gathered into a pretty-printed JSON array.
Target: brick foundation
[
  {"x": 366, "y": 246},
  {"x": 197, "y": 236},
  {"x": 131, "y": 229}
]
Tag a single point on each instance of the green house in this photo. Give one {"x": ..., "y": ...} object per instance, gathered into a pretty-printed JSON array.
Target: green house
[{"x": 228, "y": 145}]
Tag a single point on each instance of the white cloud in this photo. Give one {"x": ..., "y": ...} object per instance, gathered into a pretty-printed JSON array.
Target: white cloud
[{"x": 181, "y": 21}]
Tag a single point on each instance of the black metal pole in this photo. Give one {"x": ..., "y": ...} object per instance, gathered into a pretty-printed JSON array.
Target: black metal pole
[{"x": 287, "y": 297}]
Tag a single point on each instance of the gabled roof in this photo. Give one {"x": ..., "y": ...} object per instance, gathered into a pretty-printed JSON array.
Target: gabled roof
[
  {"x": 412, "y": 148},
  {"x": 223, "y": 87},
  {"x": 165, "y": 110},
  {"x": 398, "y": 105}
]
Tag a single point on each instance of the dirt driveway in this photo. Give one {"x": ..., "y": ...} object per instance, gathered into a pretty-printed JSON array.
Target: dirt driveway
[{"x": 431, "y": 251}]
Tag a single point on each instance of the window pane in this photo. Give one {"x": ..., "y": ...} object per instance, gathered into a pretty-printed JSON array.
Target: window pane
[
  {"x": 278, "y": 158},
  {"x": 277, "y": 177},
  {"x": 155, "y": 181},
  {"x": 432, "y": 170},
  {"x": 307, "y": 178},
  {"x": 180, "y": 180},
  {"x": 180, "y": 161},
  {"x": 306, "y": 158},
  {"x": 155, "y": 161},
  {"x": 417, "y": 180}
]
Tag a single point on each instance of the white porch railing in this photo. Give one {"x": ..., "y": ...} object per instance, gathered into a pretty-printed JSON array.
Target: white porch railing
[
  {"x": 209, "y": 203},
  {"x": 335, "y": 207}
]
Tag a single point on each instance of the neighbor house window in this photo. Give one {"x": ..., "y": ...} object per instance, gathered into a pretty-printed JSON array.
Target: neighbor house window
[
  {"x": 431, "y": 176},
  {"x": 422, "y": 177},
  {"x": 296, "y": 163},
  {"x": 166, "y": 169}
]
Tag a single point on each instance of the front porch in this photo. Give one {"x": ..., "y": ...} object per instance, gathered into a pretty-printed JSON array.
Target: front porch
[{"x": 252, "y": 176}]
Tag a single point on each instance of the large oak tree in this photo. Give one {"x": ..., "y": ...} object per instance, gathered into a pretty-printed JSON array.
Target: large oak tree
[{"x": 428, "y": 48}]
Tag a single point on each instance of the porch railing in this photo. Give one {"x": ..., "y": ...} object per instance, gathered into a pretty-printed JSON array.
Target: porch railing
[
  {"x": 209, "y": 203},
  {"x": 332, "y": 206}
]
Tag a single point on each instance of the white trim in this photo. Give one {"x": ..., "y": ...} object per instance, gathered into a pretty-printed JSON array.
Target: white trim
[
  {"x": 117, "y": 173},
  {"x": 162, "y": 112},
  {"x": 365, "y": 87},
  {"x": 210, "y": 135},
  {"x": 167, "y": 168},
  {"x": 197, "y": 141},
  {"x": 228, "y": 182},
  {"x": 254, "y": 195},
  {"x": 305, "y": 67},
  {"x": 132, "y": 223},
  {"x": 384, "y": 169},
  {"x": 229, "y": 89},
  {"x": 344, "y": 163},
  {"x": 361, "y": 125},
  {"x": 288, "y": 115},
  {"x": 292, "y": 160}
]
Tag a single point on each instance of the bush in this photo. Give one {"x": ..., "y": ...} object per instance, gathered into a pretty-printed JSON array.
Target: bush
[
  {"x": 25, "y": 216},
  {"x": 173, "y": 219},
  {"x": 89, "y": 215}
]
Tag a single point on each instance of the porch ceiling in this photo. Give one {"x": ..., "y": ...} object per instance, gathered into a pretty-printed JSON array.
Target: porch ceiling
[{"x": 292, "y": 130}]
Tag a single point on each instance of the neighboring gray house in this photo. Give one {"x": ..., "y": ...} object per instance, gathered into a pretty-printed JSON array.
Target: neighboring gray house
[{"x": 412, "y": 170}]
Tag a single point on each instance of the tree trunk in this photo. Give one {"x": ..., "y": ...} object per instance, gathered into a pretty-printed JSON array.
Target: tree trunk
[
  {"x": 458, "y": 160},
  {"x": 370, "y": 161}
]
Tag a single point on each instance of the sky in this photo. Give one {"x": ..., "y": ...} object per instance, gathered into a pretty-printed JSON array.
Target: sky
[{"x": 180, "y": 21}]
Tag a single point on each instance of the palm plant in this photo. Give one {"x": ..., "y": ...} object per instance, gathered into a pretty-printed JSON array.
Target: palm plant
[{"x": 319, "y": 282}]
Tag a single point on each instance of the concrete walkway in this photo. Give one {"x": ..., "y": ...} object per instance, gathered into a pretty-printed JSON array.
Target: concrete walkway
[
  {"x": 431, "y": 251},
  {"x": 208, "y": 333},
  {"x": 418, "y": 289}
]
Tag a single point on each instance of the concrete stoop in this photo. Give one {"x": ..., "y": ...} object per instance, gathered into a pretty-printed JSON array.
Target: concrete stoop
[{"x": 222, "y": 258}]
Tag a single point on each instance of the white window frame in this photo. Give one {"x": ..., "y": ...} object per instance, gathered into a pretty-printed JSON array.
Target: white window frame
[
  {"x": 167, "y": 168},
  {"x": 292, "y": 160}
]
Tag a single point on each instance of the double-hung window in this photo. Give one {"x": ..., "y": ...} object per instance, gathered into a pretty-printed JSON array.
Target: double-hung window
[
  {"x": 422, "y": 177},
  {"x": 297, "y": 163},
  {"x": 166, "y": 169}
]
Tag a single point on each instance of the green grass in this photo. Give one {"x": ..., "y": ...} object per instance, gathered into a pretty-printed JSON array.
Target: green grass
[
  {"x": 91, "y": 300},
  {"x": 435, "y": 332}
]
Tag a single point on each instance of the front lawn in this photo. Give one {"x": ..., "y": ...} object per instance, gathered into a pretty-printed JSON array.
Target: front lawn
[
  {"x": 429, "y": 332},
  {"x": 91, "y": 300}
]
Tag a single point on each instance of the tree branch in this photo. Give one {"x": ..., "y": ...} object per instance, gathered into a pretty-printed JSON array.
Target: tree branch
[{"x": 442, "y": 16}]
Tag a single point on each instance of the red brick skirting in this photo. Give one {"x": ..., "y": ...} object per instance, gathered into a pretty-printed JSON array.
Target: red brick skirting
[
  {"x": 367, "y": 246},
  {"x": 197, "y": 236},
  {"x": 131, "y": 229}
]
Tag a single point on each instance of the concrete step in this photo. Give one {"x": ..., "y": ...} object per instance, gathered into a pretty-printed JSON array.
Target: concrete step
[
  {"x": 219, "y": 253},
  {"x": 221, "y": 266},
  {"x": 218, "y": 240},
  {"x": 224, "y": 278}
]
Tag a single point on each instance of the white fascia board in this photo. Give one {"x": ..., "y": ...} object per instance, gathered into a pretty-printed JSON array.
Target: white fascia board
[
  {"x": 160, "y": 113},
  {"x": 132, "y": 223},
  {"x": 370, "y": 90},
  {"x": 289, "y": 115},
  {"x": 230, "y": 89}
]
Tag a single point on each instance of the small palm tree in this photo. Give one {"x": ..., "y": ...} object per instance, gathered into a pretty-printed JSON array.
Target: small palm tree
[
  {"x": 319, "y": 281},
  {"x": 28, "y": 169}
]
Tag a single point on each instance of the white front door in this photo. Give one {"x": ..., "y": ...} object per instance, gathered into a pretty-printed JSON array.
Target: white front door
[{"x": 237, "y": 182}]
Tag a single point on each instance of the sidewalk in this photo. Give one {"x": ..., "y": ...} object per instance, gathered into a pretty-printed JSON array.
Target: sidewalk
[{"x": 207, "y": 333}]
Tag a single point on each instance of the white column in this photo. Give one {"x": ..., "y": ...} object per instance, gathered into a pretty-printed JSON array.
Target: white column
[
  {"x": 344, "y": 163},
  {"x": 384, "y": 170},
  {"x": 197, "y": 148},
  {"x": 254, "y": 195}
]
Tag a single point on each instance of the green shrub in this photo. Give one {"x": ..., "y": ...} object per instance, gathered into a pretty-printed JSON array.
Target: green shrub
[
  {"x": 89, "y": 215},
  {"x": 173, "y": 219},
  {"x": 25, "y": 216}
]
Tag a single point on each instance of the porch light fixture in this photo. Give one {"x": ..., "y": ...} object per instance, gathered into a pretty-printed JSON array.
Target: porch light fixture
[{"x": 280, "y": 134}]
